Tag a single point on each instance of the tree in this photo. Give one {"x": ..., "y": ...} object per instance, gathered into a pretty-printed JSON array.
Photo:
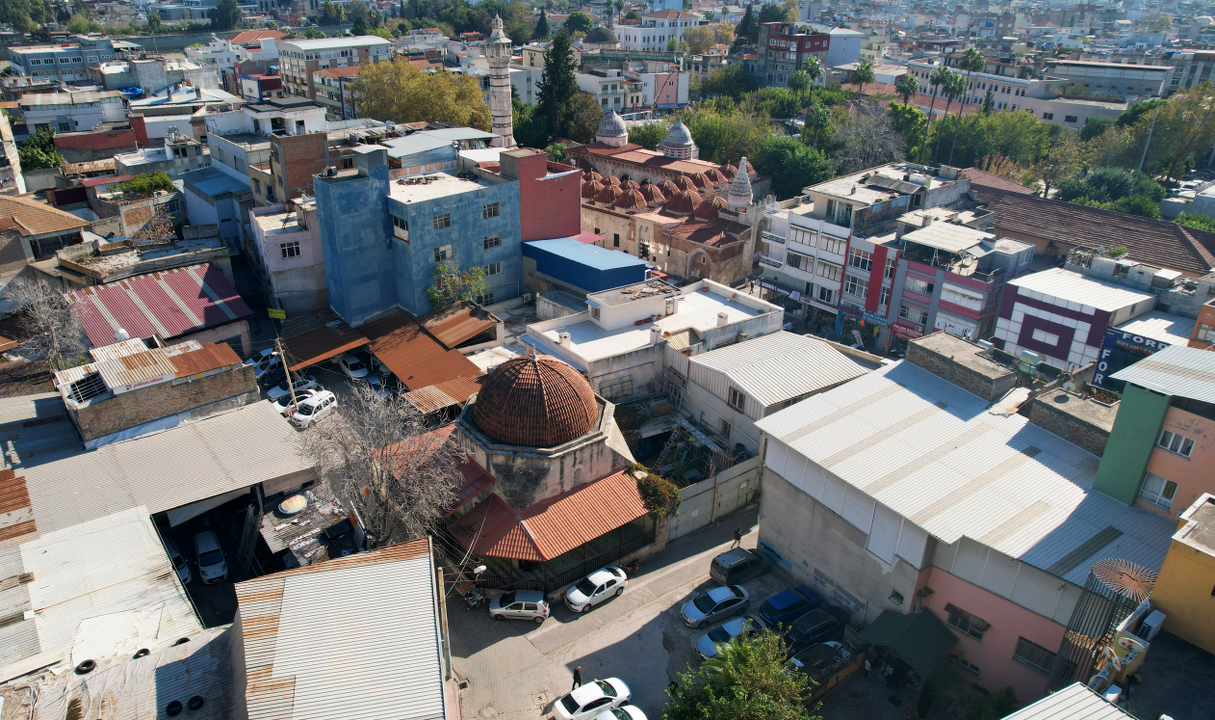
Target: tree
[
  {"x": 938, "y": 79},
  {"x": 912, "y": 124},
  {"x": 1060, "y": 163},
  {"x": 578, "y": 21},
  {"x": 710, "y": 15},
  {"x": 750, "y": 679},
  {"x": 813, "y": 67},
  {"x": 1110, "y": 185},
  {"x": 861, "y": 75},
  {"x": 659, "y": 495},
  {"x": 792, "y": 165},
  {"x": 582, "y": 118},
  {"x": 798, "y": 83},
  {"x": 952, "y": 87},
  {"x": 866, "y": 138},
  {"x": 649, "y": 135},
  {"x": 731, "y": 81},
  {"x": 725, "y": 135},
  {"x": 332, "y": 13},
  {"x": 378, "y": 455},
  {"x": 784, "y": 12},
  {"x": 556, "y": 89},
  {"x": 907, "y": 87},
  {"x": 989, "y": 101},
  {"x": 1093, "y": 127},
  {"x": 153, "y": 25},
  {"x": 146, "y": 184},
  {"x": 672, "y": 45},
  {"x": 226, "y": 15},
  {"x": 358, "y": 14},
  {"x": 1196, "y": 221},
  {"x": 47, "y": 319},
  {"x": 971, "y": 61},
  {"x": 817, "y": 117},
  {"x": 541, "y": 31},
  {"x": 38, "y": 152},
  {"x": 400, "y": 92},
  {"x": 80, "y": 24},
  {"x": 632, "y": 16},
  {"x": 747, "y": 27},
  {"x": 723, "y": 34},
  {"x": 699, "y": 39},
  {"x": 454, "y": 285}
]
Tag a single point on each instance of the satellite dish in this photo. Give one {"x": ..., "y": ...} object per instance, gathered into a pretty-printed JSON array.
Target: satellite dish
[{"x": 1125, "y": 578}]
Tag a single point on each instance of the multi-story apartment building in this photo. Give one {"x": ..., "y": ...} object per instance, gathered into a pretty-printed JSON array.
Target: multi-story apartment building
[
  {"x": 287, "y": 246},
  {"x": 67, "y": 62},
  {"x": 299, "y": 59},
  {"x": 783, "y": 49},
  {"x": 612, "y": 89},
  {"x": 1190, "y": 67},
  {"x": 656, "y": 30},
  {"x": 217, "y": 53},
  {"x": 12, "y": 182},
  {"x": 1121, "y": 79},
  {"x": 335, "y": 90},
  {"x": 71, "y": 111}
]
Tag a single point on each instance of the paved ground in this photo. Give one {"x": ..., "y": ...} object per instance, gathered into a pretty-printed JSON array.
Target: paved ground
[{"x": 515, "y": 669}]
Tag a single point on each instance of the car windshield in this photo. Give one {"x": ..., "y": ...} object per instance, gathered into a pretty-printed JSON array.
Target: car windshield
[
  {"x": 178, "y": 562},
  {"x": 507, "y": 598},
  {"x": 620, "y": 714},
  {"x": 570, "y": 705},
  {"x": 283, "y": 386},
  {"x": 606, "y": 687},
  {"x": 211, "y": 557},
  {"x": 585, "y": 586},
  {"x": 704, "y": 603},
  {"x": 305, "y": 410},
  {"x": 719, "y": 634},
  {"x": 355, "y": 365}
]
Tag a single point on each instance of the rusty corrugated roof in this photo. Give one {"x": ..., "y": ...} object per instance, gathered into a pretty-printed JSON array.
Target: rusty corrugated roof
[
  {"x": 457, "y": 323},
  {"x": 314, "y": 337},
  {"x": 16, "y": 515},
  {"x": 211, "y": 356},
  {"x": 130, "y": 362},
  {"x": 416, "y": 358},
  {"x": 476, "y": 479}
]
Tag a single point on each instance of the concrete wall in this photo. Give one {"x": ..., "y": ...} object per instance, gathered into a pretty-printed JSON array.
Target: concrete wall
[
  {"x": 712, "y": 499},
  {"x": 1194, "y": 475},
  {"x": 973, "y": 382},
  {"x": 222, "y": 333},
  {"x": 1044, "y": 414}
]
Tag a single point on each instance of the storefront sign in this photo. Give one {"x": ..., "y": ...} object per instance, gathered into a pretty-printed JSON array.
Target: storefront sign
[
  {"x": 769, "y": 285},
  {"x": 907, "y": 333},
  {"x": 866, "y": 315},
  {"x": 1119, "y": 350}
]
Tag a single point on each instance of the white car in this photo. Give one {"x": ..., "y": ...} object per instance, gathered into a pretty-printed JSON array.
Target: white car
[
  {"x": 353, "y": 367},
  {"x": 265, "y": 365},
  {"x": 313, "y": 409},
  {"x": 624, "y": 712},
  {"x": 298, "y": 382},
  {"x": 211, "y": 565},
  {"x": 595, "y": 588},
  {"x": 287, "y": 404},
  {"x": 179, "y": 563},
  {"x": 591, "y": 699}
]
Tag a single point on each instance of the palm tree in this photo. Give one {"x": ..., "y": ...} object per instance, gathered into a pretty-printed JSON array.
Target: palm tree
[
  {"x": 813, "y": 67},
  {"x": 799, "y": 83},
  {"x": 861, "y": 75},
  {"x": 937, "y": 79},
  {"x": 907, "y": 86},
  {"x": 817, "y": 117},
  {"x": 971, "y": 60},
  {"x": 952, "y": 87}
]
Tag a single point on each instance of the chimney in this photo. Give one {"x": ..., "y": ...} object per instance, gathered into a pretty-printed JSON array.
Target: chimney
[
  {"x": 722, "y": 319},
  {"x": 655, "y": 334},
  {"x": 563, "y": 339},
  {"x": 927, "y": 221}
]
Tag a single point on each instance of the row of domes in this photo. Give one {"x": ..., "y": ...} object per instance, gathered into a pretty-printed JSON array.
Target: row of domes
[{"x": 631, "y": 195}]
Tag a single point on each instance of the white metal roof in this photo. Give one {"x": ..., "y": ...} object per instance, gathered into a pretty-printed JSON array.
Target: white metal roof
[
  {"x": 355, "y": 637},
  {"x": 1162, "y": 326},
  {"x": 1085, "y": 293},
  {"x": 1176, "y": 370},
  {"x": 163, "y": 470},
  {"x": 1074, "y": 702},
  {"x": 938, "y": 456},
  {"x": 334, "y": 43},
  {"x": 948, "y": 237},
  {"x": 104, "y": 587},
  {"x": 779, "y": 366}
]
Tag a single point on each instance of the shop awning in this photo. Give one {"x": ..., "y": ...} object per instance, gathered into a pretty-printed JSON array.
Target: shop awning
[
  {"x": 315, "y": 337},
  {"x": 920, "y": 639}
]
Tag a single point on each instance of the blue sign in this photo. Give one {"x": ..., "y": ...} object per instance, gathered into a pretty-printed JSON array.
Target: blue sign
[
  {"x": 866, "y": 315},
  {"x": 1122, "y": 349}
]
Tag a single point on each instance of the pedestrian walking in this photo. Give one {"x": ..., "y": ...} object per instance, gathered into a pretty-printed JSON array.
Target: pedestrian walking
[
  {"x": 577, "y": 678},
  {"x": 737, "y": 538},
  {"x": 868, "y": 668}
]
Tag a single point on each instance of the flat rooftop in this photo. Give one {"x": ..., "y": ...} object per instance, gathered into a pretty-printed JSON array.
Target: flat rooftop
[
  {"x": 279, "y": 223},
  {"x": 1081, "y": 408},
  {"x": 1076, "y": 289},
  {"x": 429, "y": 187},
  {"x": 963, "y": 352},
  {"x": 1162, "y": 326},
  {"x": 632, "y": 293}
]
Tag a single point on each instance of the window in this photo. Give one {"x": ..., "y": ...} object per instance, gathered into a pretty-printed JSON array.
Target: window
[
  {"x": 490, "y": 211},
  {"x": 347, "y": 163},
  {"x": 1157, "y": 491},
  {"x": 485, "y": 299},
  {"x": 914, "y": 314},
  {"x": 65, "y": 127},
  {"x": 726, "y": 428},
  {"x": 1175, "y": 443},
  {"x": 966, "y": 623},
  {"x": 1206, "y": 333},
  {"x": 289, "y": 250},
  {"x": 1035, "y": 656},
  {"x": 834, "y": 244},
  {"x": 860, "y": 259},
  {"x": 442, "y": 221},
  {"x": 615, "y": 239},
  {"x": 400, "y": 223},
  {"x": 828, "y": 271},
  {"x": 802, "y": 236},
  {"x": 1044, "y": 337},
  {"x": 1069, "y": 118},
  {"x": 443, "y": 252},
  {"x": 737, "y": 399},
  {"x": 855, "y": 286},
  {"x": 1048, "y": 116},
  {"x": 916, "y": 285},
  {"x": 884, "y": 299},
  {"x": 826, "y": 295},
  {"x": 595, "y": 312},
  {"x": 493, "y": 268},
  {"x": 967, "y": 666},
  {"x": 801, "y": 262},
  {"x": 830, "y": 209},
  {"x": 889, "y": 272},
  {"x": 173, "y": 206},
  {"x": 492, "y": 241},
  {"x": 845, "y": 216}
]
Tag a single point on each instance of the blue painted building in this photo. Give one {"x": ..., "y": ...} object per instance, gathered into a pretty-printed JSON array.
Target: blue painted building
[
  {"x": 582, "y": 267},
  {"x": 382, "y": 238}
]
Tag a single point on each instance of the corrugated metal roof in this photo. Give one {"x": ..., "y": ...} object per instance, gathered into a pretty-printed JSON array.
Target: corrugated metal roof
[
  {"x": 375, "y": 615},
  {"x": 1074, "y": 702},
  {"x": 122, "y": 349},
  {"x": 164, "y": 304},
  {"x": 313, "y": 337},
  {"x": 939, "y": 457},
  {"x": 781, "y": 365},
  {"x": 1162, "y": 326},
  {"x": 429, "y": 399},
  {"x": 1176, "y": 370},
  {"x": 948, "y": 237},
  {"x": 457, "y": 323},
  {"x": 92, "y": 166},
  {"x": 1076, "y": 288},
  {"x": 416, "y": 358},
  {"x": 16, "y": 516},
  {"x": 103, "y": 585},
  {"x": 130, "y": 363},
  {"x": 164, "y": 470}
]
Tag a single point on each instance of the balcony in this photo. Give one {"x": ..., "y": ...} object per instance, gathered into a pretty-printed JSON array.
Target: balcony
[
  {"x": 771, "y": 238},
  {"x": 769, "y": 262}
]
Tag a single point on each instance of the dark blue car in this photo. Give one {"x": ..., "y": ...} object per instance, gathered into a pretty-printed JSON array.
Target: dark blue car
[{"x": 788, "y": 605}]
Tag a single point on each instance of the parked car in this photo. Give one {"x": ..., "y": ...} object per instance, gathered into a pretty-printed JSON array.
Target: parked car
[
  {"x": 211, "y": 565},
  {"x": 595, "y": 588},
  {"x": 788, "y": 605},
  {"x": 519, "y": 605},
  {"x": 287, "y": 403},
  {"x": 265, "y": 364},
  {"x": 816, "y": 626},
  {"x": 272, "y": 377},
  {"x": 624, "y": 712},
  {"x": 298, "y": 382},
  {"x": 179, "y": 563},
  {"x": 734, "y": 566},
  {"x": 819, "y": 659},
  {"x": 376, "y": 383},
  {"x": 714, "y": 604},
  {"x": 352, "y": 366},
  {"x": 706, "y": 645},
  {"x": 313, "y": 409},
  {"x": 587, "y": 701}
]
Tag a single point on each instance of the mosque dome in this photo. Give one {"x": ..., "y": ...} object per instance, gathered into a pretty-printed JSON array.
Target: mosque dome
[{"x": 536, "y": 401}]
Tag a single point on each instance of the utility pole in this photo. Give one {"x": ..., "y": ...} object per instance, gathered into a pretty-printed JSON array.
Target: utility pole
[
  {"x": 282, "y": 357},
  {"x": 1148, "y": 144}
]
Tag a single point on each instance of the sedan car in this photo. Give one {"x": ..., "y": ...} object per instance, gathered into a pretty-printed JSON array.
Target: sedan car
[
  {"x": 298, "y": 382},
  {"x": 788, "y": 605},
  {"x": 816, "y": 626},
  {"x": 211, "y": 564},
  {"x": 595, "y": 588},
  {"x": 179, "y": 563},
  {"x": 817, "y": 660},
  {"x": 519, "y": 605},
  {"x": 706, "y": 645},
  {"x": 624, "y": 712},
  {"x": 715, "y": 604},
  {"x": 353, "y": 367},
  {"x": 265, "y": 364},
  {"x": 587, "y": 701},
  {"x": 376, "y": 383},
  {"x": 287, "y": 404}
]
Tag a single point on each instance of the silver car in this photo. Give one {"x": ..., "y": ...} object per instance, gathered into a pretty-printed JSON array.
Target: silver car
[
  {"x": 715, "y": 604},
  {"x": 519, "y": 605},
  {"x": 706, "y": 645}
]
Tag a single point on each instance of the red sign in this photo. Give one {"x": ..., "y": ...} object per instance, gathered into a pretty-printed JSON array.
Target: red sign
[{"x": 907, "y": 333}]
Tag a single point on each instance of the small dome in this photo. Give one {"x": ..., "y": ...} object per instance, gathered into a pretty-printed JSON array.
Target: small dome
[
  {"x": 727, "y": 170},
  {"x": 612, "y": 126},
  {"x": 609, "y": 195},
  {"x": 669, "y": 188},
  {"x": 715, "y": 176},
  {"x": 678, "y": 135},
  {"x": 591, "y": 188},
  {"x": 701, "y": 181},
  {"x": 683, "y": 182},
  {"x": 630, "y": 185},
  {"x": 653, "y": 194},
  {"x": 709, "y": 209},
  {"x": 611, "y": 180},
  {"x": 631, "y": 200},
  {"x": 535, "y": 401},
  {"x": 591, "y": 175},
  {"x": 683, "y": 202},
  {"x": 601, "y": 36}
]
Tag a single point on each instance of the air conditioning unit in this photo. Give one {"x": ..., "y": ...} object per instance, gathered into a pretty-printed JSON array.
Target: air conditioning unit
[{"x": 527, "y": 297}]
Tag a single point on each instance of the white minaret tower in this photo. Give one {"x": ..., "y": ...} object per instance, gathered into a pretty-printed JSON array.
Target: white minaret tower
[
  {"x": 497, "y": 51},
  {"x": 739, "y": 197}
]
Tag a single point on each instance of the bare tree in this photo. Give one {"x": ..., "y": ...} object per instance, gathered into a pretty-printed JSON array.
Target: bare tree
[
  {"x": 47, "y": 319},
  {"x": 158, "y": 229},
  {"x": 383, "y": 459},
  {"x": 867, "y": 138}
]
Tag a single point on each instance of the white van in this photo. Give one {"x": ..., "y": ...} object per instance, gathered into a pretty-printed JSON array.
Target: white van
[
  {"x": 211, "y": 565},
  {"x": 314, "y": 408}
]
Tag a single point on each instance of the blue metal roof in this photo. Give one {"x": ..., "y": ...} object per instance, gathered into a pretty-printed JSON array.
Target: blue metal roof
[{"x": 589, "y": 255}]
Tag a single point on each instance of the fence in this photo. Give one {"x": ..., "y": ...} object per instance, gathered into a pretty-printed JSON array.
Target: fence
[{"x": 713, "y": 498}]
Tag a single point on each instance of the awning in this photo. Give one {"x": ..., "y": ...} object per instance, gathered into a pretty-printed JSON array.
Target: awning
[
  {"x": 920, "y": 639},
  {"x": 458, "y": 323},
  {"x": 315, "y": 337}
]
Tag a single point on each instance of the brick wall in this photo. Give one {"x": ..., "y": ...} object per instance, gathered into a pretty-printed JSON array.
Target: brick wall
[
  {"x": 159, "y": 401},
  {"x": 1069, "y": 428},
  {"x": 969, "y": 380}
]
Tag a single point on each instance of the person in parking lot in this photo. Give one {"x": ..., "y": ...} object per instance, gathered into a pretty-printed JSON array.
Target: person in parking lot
[
  {"x": 577, "y": 678},
  {"x": 737, "y": 538}
]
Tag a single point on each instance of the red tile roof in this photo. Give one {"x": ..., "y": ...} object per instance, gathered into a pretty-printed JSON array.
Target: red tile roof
[
  {"x": 1156, "y": 242},
  {"x": 250, "y": 36},
  {"x": 982, "y": 178},
  {"x": 476, "y": 479},
  {"x": 108, "y": 180},
  {"x": 35, "y": 218},
  {"x": 165, "y": 304},
  {"x": 535, "y": 401},
  {"x": 552, "y": 527}
]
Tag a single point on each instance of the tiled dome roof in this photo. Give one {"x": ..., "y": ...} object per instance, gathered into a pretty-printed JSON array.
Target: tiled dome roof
[
  {"x": 591, "y": 188},
  {"x": 708, "y": 209},
  {"x": 715, "y": 176},
  {"x": 536, "y": 401},
  {"x": 683, "y": 182},
  {"x": 608, "y": 194},
  {"x": 612, "y": 126},
  {"x": 683, "y": 202},
  {"x": 669, "y": 188},
  {"x": 630, "y": 184},
  {"x": 653, "y": 194},
  {"x": 631, "y": 200},
  {"x": 701, "y": 180},
  {"x": 611, "y": 180},
  {"x": 601, "y": 35},
  {"x": 727, "y": 170},
  {"x": 591, "y": 175}
]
